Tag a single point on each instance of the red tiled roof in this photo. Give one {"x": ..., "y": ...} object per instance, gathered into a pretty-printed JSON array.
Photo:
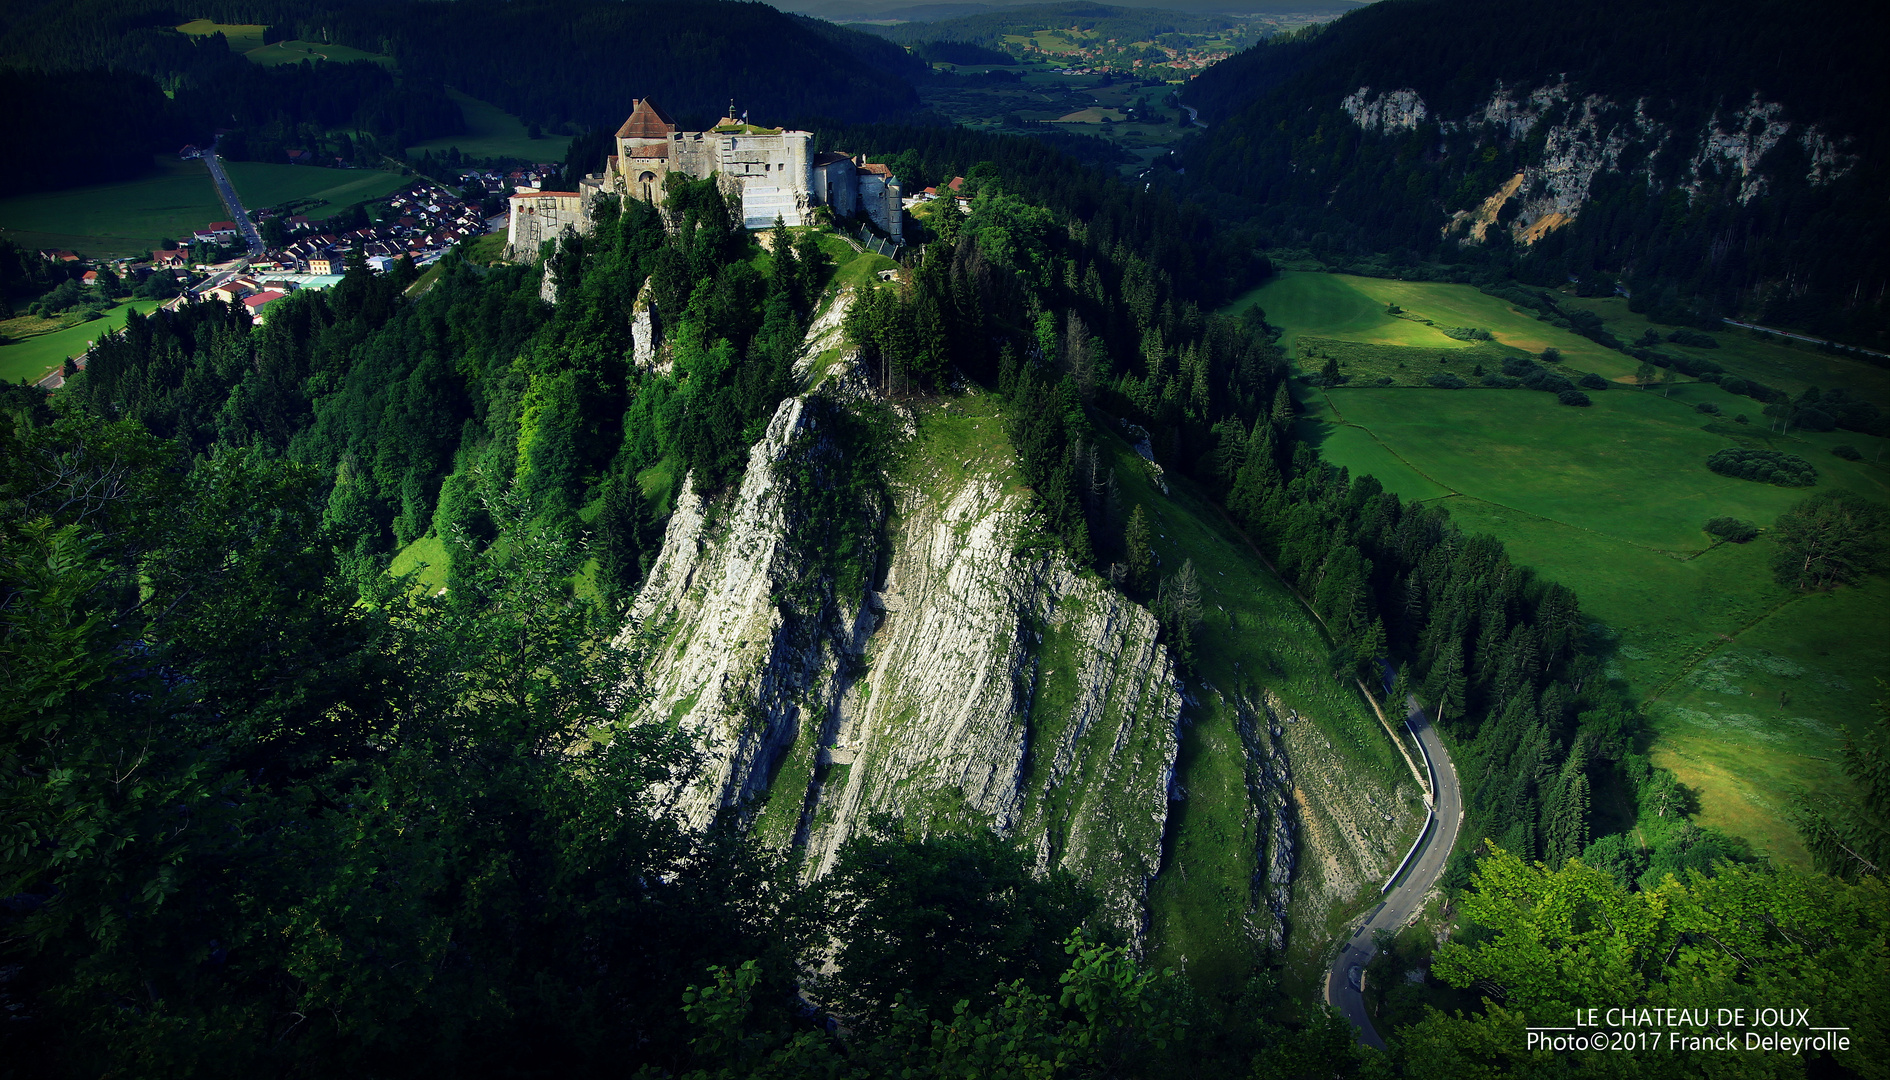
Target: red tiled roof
[
  {"x": 254, "y": 302},
  {"x": 876, "y": 170},
  {"x": 646, "y": 122},
  {"x": 544, "y": 194},
  {"x": 650, "y": 151},
  {"x": 828, "y": 157}
]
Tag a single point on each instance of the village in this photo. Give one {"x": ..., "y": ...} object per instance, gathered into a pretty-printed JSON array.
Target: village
[{"x": 420, "y": 222}]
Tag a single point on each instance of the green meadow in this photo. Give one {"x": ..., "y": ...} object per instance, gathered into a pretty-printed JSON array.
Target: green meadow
[
  {"x": 1751, "y": 689},
  {"x": 33, "y": 357},
  {"x": 263, "y": 184},
  {"x": 122, "y": 218},
  {"x": 1254, "y": 634},
  {"x": 247, "y": 38},
  {"x": 242, "y": 36},
  {"x": 493, "y": 132},
  {"x": 129, "y": 217}
]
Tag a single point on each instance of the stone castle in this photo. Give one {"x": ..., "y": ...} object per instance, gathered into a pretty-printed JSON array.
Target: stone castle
[{"x": 772, "y": 170}]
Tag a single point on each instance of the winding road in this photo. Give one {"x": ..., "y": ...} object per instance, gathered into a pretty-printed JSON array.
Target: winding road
[{"x": 1422, "y": 868}]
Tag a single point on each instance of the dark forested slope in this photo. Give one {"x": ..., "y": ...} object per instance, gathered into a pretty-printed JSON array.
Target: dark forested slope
[
  {"x": 86, "y": 83},
  {"x": 1721, "y": 158}
]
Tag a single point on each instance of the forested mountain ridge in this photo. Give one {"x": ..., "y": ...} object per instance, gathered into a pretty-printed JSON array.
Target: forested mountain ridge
[
  {"x": 569, "y": 65},
  {"x": 1711, "y": 167}
]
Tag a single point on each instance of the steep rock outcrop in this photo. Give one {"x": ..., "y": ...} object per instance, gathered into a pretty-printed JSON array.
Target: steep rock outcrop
[
  {"x": 983, "y": 684},
  {"x": 742, "y": 635},
  {"x": 1001, "y": 689}
]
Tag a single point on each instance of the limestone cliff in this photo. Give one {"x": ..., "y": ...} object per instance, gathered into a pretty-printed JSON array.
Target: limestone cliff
[
  {"x": 1582, "y": 138},
  {"x": 979, "y": 683}
]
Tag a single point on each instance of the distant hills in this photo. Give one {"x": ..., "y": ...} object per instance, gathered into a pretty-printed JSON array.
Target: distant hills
[
  {"x": 110, "y": 82},
  {"x": 1711, "y": 159}
]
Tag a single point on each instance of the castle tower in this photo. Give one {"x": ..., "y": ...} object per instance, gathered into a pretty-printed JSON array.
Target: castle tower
[{"x": 643, "y": 152}]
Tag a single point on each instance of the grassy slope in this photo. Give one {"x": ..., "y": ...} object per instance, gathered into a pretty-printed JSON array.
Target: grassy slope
[
  {"x": 131, "y": 216},
  {"x": 1609, "y": 500},
  {"x": 493, "y": 132},
  {"x": 33, "y": 357},
  {"x": 122, "y": 218},
  {"x": 1271, "y": 642},
  {"x": 247, "y": 38},
  {"x": 263, "y": 184}
]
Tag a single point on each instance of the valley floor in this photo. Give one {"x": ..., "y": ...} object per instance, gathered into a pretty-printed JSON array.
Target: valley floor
[{"x": 1751, "y": 688}]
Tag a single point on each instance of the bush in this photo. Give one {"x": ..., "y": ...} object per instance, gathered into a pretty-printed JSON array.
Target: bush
[
  {"x": 1733, "y": 384},
  {"x": 1444, "y": 380},
  {"x": 1731, "y": 530},
  {"x": 1707, "y": 407},
  {"x": 1575, "y": 398},
  {"x": 1847, "y": 452},
  {"x": 1592, "y": 381},
  {"x": 1764, "y": 466},
  {"x": 1551, "y": 356},
  {"x": 1501, "y": 382},
  {"x": 1693, "y": 338},
  {"x": 1466, "y": 333}
]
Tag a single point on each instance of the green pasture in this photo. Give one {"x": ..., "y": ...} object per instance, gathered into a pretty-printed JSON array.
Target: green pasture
[
  {"x": 129, "y": 217},
  {"x": 247, "y": 38},
  {"x": 491, "y": 132},
  {"x": 294, "y": 52},
  {"x": 1355, "y": 309},
  {"x": 1766, "y": 358},
  {"x": 33, "y": 357},
  {"x": 1632, "y": 466},
  {"x": 262, "y": 184},
  {"x": 1762, "y": 718},
  {"x": 126, "y": 217},
  {"x": 1610, "y": 500},
  {"x": 241, "y": 36}
]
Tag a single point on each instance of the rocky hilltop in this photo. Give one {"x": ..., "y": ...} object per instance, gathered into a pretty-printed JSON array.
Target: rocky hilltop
[{"x": 949, "y": 672}]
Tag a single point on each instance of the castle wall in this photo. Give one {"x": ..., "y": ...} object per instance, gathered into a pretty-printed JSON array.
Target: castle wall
[{"x": 539, "y": 216}]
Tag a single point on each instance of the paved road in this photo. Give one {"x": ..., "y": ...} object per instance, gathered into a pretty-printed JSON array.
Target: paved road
[
  {"x": 1804, "y": 337},
  {"x": 1401, "y": 902},
  {"x": 227, "y": 192}
]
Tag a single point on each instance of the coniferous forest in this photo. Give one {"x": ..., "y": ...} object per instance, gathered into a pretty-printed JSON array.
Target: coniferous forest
[{"x": 276, "y": 800}]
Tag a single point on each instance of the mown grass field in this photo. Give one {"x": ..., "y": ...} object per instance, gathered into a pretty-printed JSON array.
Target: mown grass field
[
  {"x": 294, "y": 52},
  {"x": 1610, "y": 501},
  {"x": 33, "y": 357},
  {"x": 1355, "y": 309},
  {"x": 262, "y": 184},
  {"x": 122, "y": 218},
  {"x": 247, "y": 38},
  {"x": 130, "y": 217},
  {"x": 1766, "y": 358},
  {"x": 241, "y": 36},
  {"x": 493, "y": 132}
]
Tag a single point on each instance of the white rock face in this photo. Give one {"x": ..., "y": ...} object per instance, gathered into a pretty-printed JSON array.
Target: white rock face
[
  {"x": 984, "y": 685},
  {"x": 645, "y": 334},
  {"x": 1390, "y": 110},
  {"x": 730, "y": 659},
  {"x": 1594, "y": 135},
  {"x": 1754, "y": 131},
  {"x": 1003, "y": 690}
]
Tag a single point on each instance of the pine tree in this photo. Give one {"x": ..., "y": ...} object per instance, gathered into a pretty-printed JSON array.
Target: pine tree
[
  {"x": 1141, "y": 557},
  {"x": 618, "y": 539}
]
